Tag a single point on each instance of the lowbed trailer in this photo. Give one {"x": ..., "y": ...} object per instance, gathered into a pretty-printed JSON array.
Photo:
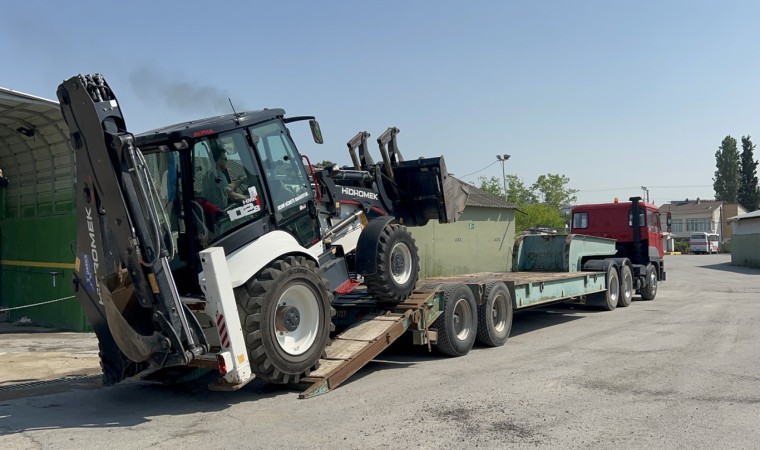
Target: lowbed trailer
[{"x": 451, "y": 313}]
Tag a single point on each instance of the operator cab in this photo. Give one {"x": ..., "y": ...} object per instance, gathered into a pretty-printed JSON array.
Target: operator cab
[{"x": 226, "y": 181}]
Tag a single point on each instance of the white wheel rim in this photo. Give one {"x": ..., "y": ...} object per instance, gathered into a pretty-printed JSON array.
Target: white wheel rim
[
  {"x": 298, "y": 341},
  {"x": 627, "y": 286},
  {"x": 499, "y": 313},
  {"x": 462, "y": 319},
  {"x": 401, "y": 263}
]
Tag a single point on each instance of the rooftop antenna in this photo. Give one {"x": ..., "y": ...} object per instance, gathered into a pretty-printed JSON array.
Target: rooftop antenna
[{"x": 237, "y": 117}]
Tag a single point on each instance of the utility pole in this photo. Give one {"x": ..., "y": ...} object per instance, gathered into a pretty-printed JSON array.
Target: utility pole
[
  {"x": 503, "y": 159},
  {"x": 646, "y": 189}
]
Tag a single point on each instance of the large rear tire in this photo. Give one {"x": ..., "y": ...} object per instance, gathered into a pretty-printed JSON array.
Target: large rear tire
[
  {"x": 626, "y": 287},
  {"x": 495, "y": 315},
  {"x": 649, "y": 290},
  {"x": 457, "y": 326},
  {"x": 398, "y": 266},
  {"x": 286, "y": 316},
  {"x": 608, "y": 300}
]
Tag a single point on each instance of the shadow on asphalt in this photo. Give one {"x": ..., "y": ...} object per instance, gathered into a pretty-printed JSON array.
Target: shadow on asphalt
[
  {"x": 135, "y": 402},
  {"x": 728, "y": 267}
]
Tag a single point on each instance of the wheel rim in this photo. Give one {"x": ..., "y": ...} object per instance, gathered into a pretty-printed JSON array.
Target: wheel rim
[
  {"x": 401, "y": 263},
  {"x": 297, "y": 319},
  {"x": 614, "y": 290},
  {"x": 462, "y": 319},
  {"x": 653, "y": 281},
  {"x": 627, "y": 286},
  {"x": 499, "y": 313}
]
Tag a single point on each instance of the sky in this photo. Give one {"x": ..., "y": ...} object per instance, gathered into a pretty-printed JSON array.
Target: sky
[{"x": 615, "y": 95}]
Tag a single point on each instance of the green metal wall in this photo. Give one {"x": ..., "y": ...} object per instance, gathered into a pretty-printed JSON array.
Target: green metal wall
[
  {"x": 30, "y": 249},
  {"x": 480, "y": 241},
  {"x": 745, "y": 250}
]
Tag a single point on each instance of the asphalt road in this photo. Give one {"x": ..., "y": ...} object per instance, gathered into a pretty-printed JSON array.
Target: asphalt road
[{"x": 682, "y": 371}]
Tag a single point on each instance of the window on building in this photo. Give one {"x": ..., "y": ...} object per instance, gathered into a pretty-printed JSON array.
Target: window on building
[
  {"x": 677, "y": 226},
  {"x": 698, "y": 225}
]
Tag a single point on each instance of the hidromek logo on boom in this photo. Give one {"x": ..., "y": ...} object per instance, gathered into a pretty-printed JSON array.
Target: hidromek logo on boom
[
  {"x": 359, "y": 193},
  {"x": 93, "y": 250}
]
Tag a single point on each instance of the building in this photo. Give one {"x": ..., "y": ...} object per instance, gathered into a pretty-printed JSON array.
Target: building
[
  {"x": 37, "y": 212},
  {"x": 481, "y": 240},
  {"x": 745, "y": 246},
  {"x": 702, "y": 215}
]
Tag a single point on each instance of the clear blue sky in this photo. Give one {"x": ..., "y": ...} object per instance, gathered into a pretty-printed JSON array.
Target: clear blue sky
[{"x": 612, "y": 94}]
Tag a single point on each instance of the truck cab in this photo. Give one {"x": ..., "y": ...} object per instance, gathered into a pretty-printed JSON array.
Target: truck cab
[{"x": 636, "y": 227}]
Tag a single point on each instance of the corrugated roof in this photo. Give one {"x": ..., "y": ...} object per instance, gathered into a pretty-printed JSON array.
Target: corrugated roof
[
  {"x": 479, "y": 197},
  {"x": 751, "y": 215},
  {"x": 692, "y": 206}
]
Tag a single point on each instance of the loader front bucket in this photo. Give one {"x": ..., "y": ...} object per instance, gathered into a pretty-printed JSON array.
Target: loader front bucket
[{"x": 424, "y": 190}]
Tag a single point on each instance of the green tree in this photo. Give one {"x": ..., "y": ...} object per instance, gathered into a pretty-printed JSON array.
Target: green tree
[
  {"x": 536, "y": 214},
  {"x": 552, "y": 190},
  {"x": 518, "y": 193},
  {"x": 726, "y": 181},
  {"x": 491, "y": 185},
  {"x": 749, "y": 195}
]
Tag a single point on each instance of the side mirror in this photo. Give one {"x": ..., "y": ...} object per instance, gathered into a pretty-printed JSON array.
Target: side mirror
[
  {"x": 316, "y": 132},
  {"x": 669, "y": 221}
]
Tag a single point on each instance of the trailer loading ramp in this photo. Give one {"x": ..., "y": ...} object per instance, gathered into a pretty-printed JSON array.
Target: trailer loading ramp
[{"x": 368, "y": 337}]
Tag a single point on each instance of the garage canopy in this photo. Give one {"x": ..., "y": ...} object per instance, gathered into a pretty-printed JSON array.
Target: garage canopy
[{"x": 35, "y": 156}]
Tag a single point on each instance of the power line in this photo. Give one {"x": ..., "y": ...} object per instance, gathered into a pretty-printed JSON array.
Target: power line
[
  {"x": 638, "y": 188},
  {"x": 484, "y": 168}
]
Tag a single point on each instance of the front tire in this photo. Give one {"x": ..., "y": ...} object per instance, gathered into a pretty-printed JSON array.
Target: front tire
[
  {"x": 286, "y": 316},
  {"x": 398, "y": 266}
]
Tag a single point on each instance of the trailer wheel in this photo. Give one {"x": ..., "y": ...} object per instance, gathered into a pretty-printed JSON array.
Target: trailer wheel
[
  {"x": 608, "y": 299},
  {"x": 286, "y": 316},
  {"x": 626, "y": 287},
  {"x": 398, "y": 265},
  {"x": 457, "y": 326},
  {"x": 649, "y": 290},
  {"x": 495, "y": 315}
]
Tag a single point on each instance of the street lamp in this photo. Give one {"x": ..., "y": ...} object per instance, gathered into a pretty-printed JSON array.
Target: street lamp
[
  {"x": 503, "y": 159},
  {"x": 646, "y": 189}
]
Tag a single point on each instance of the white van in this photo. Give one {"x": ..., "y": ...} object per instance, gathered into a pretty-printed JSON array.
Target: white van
[{"x": 701, "y": 242}]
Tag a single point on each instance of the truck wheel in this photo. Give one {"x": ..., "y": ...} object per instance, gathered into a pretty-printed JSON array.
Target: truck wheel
[
  {"x": 649, "y": 291},
  {"x": 398, "y": 266},
  {"x": 626, "y": 287},
  {"x": 458, "y": 324},
  {"x": 608, "y": 299},
  {"x": 286, "y": 317},
  {"x": 495, "y": 315}
]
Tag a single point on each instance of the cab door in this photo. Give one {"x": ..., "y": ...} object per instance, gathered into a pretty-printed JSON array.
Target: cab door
[{"x": 288, "y": 186}]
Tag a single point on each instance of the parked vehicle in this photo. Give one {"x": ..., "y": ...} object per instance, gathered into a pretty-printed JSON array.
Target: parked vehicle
[
  {"x": 636, "y": 227},
  {"x": 704, "y": 243}
]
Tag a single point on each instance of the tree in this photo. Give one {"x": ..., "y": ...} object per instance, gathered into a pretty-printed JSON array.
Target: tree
[
  {"x": 491, "y": 185},
  {"x": 726, "y": 181},
  {"x": 536, "y": 214},
  {"x": 518, "y": 193},
  {"x": 749, "y": 195},
  {"x": 538, "y": 204},
  {"x": 552, "y": 190}
]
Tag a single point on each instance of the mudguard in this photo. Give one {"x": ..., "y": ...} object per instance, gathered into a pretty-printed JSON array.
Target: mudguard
[{"x": 366, "y": 249}]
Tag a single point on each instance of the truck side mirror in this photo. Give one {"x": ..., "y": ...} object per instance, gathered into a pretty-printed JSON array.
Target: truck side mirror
[
  {"x": 669, "y": 221},
  {"x": 316, "y": 132}
]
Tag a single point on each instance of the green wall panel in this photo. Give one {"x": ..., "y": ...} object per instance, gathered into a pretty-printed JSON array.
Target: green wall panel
[
  {"x": 30, "y": 249},
  {"x": 480, "y": 241}
]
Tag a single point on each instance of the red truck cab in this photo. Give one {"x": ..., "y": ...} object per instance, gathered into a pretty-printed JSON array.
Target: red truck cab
[{"x": 636, "y": 227}]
